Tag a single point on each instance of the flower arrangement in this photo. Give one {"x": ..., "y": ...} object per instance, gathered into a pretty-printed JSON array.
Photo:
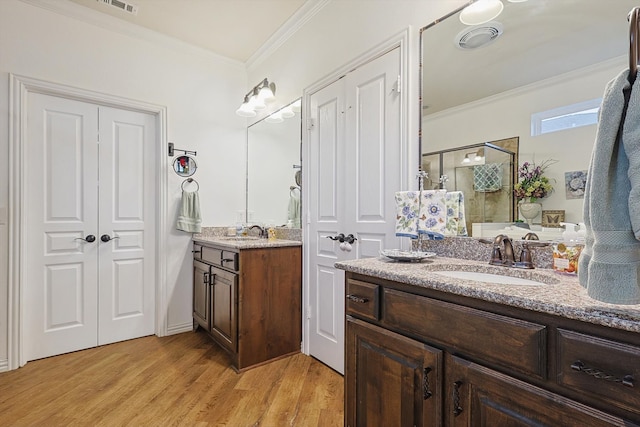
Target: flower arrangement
[{"x": 533, "y": 185}]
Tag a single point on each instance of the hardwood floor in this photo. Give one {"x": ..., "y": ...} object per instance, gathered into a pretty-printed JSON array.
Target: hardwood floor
[{"x": 180, "y": 380}]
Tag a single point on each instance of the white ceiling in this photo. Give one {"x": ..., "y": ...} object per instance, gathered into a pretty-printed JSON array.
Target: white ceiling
[{"x": 236, "y": 29}]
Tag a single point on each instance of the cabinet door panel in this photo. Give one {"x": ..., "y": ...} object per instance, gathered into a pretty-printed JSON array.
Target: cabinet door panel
[
  {"x": 390, "y": 380},
  {"x": 224, "y": 308},
  {"x": 478, "y": 396},
  {"x": 201, "y": 289}
]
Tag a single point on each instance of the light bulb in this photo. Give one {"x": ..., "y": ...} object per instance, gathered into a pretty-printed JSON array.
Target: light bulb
[
  {"x": 287, "y": 112},
  {"x": 296, "y": 107},
  {"x": 275, "y": 118},
  {"x": 481, "y": 11},
  {"x": 245, "y": 110},
  {"x": 266, "y": 94}
]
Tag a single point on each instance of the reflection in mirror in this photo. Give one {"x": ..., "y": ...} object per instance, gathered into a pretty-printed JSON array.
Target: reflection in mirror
[
  {"x": 541, "y": 80},
  {"x": 483, "y": 172},
  {"x": 185, "y": 165},
  {"x": 273, "y": 161}
]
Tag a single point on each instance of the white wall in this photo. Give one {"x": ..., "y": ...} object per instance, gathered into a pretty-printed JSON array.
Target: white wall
[
  {"x": 509, "y": 114},
  {"x": 342, "y": 31},
  {"x": 201, "y": 92}
]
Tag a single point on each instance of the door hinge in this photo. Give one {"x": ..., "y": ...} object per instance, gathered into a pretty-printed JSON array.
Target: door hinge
[
  {"x": 399, "y": 84},
  {"x": 308, "y": 312}
]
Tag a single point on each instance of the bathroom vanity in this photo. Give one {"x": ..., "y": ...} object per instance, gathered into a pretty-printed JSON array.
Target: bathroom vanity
[
  {"x": 423, "y": 349},
  {"x": 247, "y": 296}
]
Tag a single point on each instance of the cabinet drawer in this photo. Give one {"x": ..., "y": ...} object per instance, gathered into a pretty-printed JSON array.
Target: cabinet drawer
[
  {"x": 508, "y": 342},
  {"x": 220, "y": 258},
  {"x": 363, "y": 299},
  {"x": 602, "y": 369}
]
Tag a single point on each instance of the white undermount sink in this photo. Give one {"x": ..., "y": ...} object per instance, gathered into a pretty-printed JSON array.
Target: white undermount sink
[{"x": 488, "y": 278}]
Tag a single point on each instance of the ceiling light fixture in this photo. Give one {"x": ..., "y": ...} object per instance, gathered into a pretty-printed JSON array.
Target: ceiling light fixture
[
  {"x": 256, "y": 99},
  {"x": 481, "y": 11}
]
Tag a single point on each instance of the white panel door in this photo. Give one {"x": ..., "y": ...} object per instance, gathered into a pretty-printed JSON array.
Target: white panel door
[
  {"x": 355, "y": 169},
  {"x": 61, "y": 278},
  {"x": 127, "y": 278},
  {"x": 326, "y": 204},
  {"x": 89, "y": 276}
]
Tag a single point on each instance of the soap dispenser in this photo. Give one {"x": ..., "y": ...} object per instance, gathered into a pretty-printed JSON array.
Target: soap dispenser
[{"x": 567, "y": 251}]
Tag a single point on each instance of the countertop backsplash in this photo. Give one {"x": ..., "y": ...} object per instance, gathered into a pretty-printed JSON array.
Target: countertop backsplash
[
  {"x": 472, "y": 249},
  {"x": 283, "y": 233}
]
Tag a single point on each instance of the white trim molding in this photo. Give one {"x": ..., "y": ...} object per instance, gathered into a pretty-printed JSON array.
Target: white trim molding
[{"x": 19, "y": 89}]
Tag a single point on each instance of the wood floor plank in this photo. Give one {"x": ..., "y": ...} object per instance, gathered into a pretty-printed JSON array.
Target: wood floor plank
[{"x": 180, "y": 380}]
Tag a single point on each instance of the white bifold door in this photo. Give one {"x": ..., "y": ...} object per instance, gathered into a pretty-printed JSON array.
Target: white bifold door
[
  {"x": 355, "y": 167},
  {"x": 89, "y": 226}
]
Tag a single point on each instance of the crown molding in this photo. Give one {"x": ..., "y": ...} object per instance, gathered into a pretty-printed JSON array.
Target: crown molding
[
  {"x": 307, "y": 11},
  {"x": 107, "y": 22}
]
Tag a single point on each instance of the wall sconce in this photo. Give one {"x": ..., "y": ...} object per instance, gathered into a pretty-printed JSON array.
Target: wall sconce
[{"x": 256, "y": 99}]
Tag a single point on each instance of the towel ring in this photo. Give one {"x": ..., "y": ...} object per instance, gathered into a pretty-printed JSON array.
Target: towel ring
[{"x": 189, "y": 180}]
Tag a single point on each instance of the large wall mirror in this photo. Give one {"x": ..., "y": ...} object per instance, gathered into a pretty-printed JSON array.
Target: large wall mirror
[
  {"x": 543, "y": 75},
  {"x": 273, "y": 168}
]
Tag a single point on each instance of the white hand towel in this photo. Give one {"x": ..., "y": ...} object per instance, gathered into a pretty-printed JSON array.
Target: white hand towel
[
  {"x": 407, "y": 214},
  {"x": 294, "y": 211},
  {"x": 432, "y": 218},
  {"x": 456, "y": 221},
  {"x": 189, "y": 217}
]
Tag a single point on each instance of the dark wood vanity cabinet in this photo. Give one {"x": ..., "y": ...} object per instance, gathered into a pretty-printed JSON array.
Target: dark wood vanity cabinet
[
  {"x": 249, "y": 300},
  {"x": 419, "y": 357}
]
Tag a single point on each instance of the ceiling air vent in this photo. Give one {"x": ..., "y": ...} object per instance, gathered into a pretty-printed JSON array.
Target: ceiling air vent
[
  {"x": 122, "y": 5},
  {"x": 479, "y": 35}
]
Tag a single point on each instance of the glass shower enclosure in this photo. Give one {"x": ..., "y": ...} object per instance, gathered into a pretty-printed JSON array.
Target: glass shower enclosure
[{"x": 485, "y": 173}]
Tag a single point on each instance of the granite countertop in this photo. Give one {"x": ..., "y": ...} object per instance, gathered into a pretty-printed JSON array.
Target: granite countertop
[
  {"x": 560, "y": 295},
  {"x": 244, "y": 243}
]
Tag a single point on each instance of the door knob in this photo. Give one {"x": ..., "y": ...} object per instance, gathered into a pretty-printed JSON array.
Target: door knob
[
  {"x": 105, "y": 238},
  {"x": 350, "y": 239},
  {"x": 340, "y": 237},
  {"x": 89, "y": 239}
]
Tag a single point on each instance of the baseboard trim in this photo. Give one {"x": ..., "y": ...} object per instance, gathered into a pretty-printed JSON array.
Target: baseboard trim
[{"x": 178, "y": 329}]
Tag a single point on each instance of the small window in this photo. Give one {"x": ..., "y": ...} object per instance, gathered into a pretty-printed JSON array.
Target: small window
[{"x": 566, "y": 117}]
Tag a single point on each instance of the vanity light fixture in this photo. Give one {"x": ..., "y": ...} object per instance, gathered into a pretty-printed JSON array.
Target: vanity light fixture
[
  {"x": 479, "y": 155},
  {"x": 481, "y": 11},
  {"x": 256, "y": 99},
  {"x": 276, "y": 117},
  {"x": 467, "y": 158}
]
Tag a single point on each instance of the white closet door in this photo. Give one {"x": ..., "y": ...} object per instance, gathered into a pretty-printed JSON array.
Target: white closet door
[
  {"x": 60, "y": 278},
  {"x": 90, "y": 171},
  {"x": 326, "y": 204},
  {"x": 355, "y": 169},
  {"x": 373, "y": 154},
  {"x": 126, "y": 269}
]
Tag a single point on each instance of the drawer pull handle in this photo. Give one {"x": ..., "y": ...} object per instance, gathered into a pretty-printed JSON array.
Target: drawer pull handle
[
  {"x": 627, "y": 380},
  {"x": 457, "y": 409},
  {"x": 227, "y": 259},
  {"x": 356, "y": 298},
  {"x": 425, "y": 383}
]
